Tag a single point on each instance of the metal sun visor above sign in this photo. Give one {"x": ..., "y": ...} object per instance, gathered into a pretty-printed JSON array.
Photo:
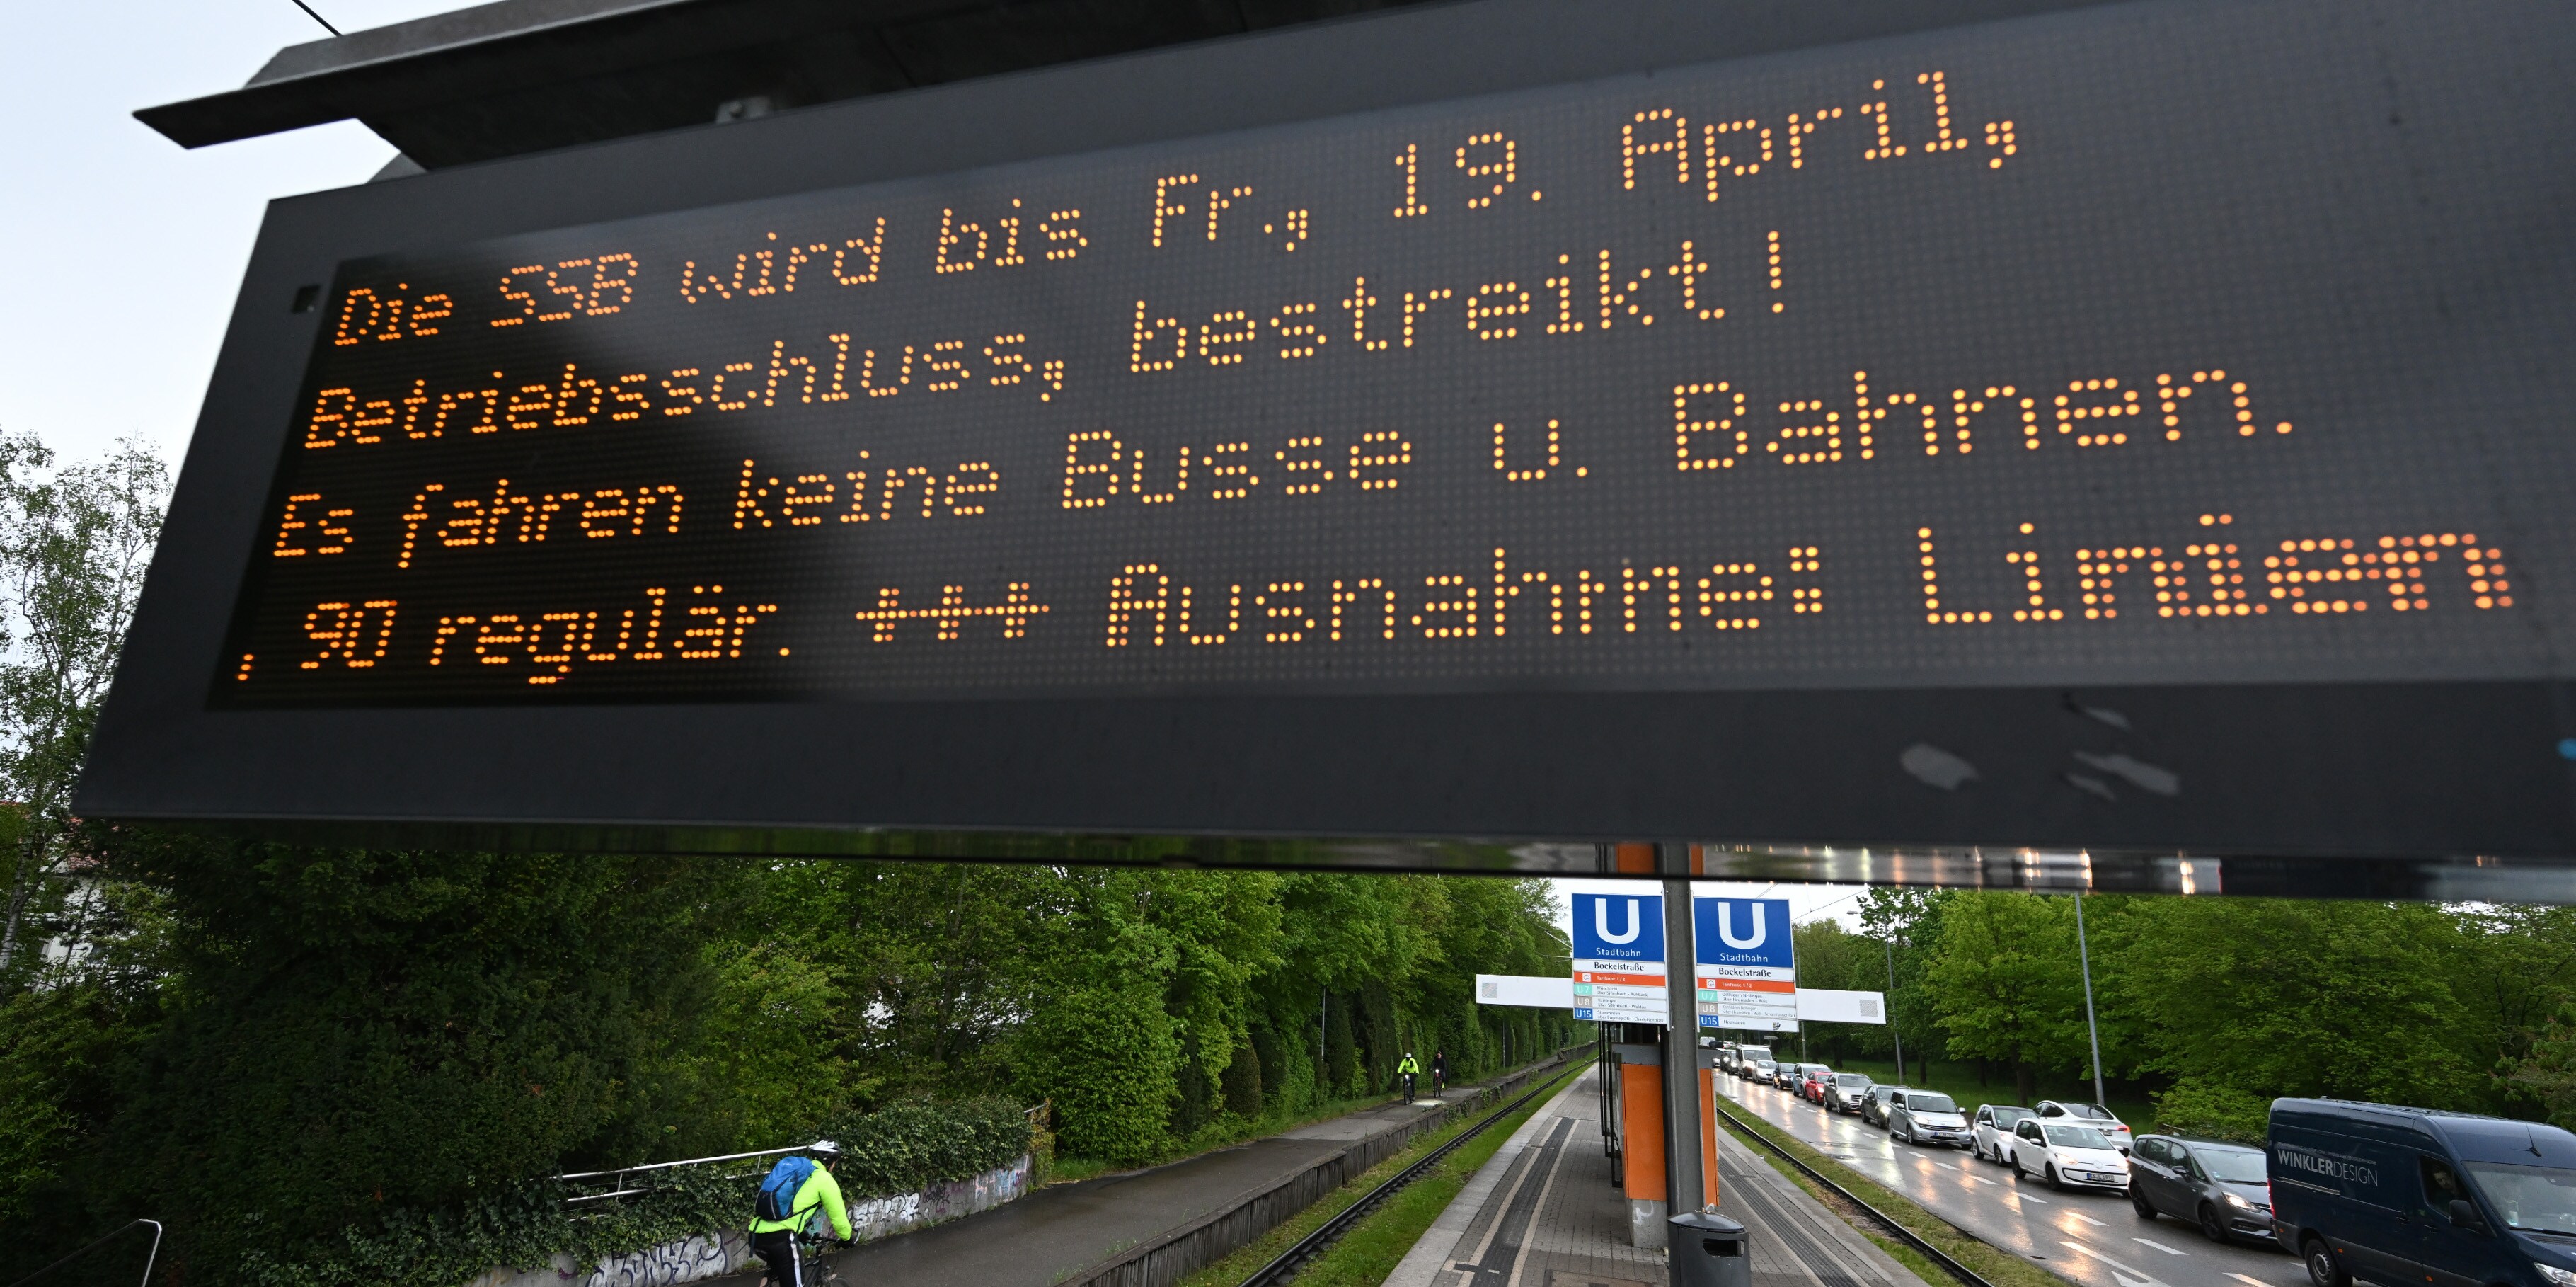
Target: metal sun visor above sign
[
  {"x": 1747, "y": 968},
  {"x": 1619, "y": 958}
]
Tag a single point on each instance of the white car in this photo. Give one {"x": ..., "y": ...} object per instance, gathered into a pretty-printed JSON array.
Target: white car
[
  {"x": 1764, "y": 1070},
  {"x": 2068, "y": 1155},
  {"x": 1994, "y": 1131},
  {"x": 2093, "y": 1115}
]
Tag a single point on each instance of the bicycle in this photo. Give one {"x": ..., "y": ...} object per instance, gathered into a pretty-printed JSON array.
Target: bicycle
[{"x": 815, "y": 1270}]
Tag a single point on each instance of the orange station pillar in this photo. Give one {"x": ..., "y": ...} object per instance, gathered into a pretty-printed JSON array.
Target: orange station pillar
[
  {"x": 1641, "y": 1143},
  {"x": 1644, "y": 1179},
  {"x": 1656, "y": 1080},
  {"x": 1708, "y": 1130}
]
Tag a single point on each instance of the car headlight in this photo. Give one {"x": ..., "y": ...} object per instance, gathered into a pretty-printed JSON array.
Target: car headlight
[
  {"x": 2235, "y": 1201},
  {"x": 2553, "y": 1273}
]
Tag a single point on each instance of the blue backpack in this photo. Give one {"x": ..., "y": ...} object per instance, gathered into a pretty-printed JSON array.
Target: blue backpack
[{"x": 778, "y": 1192}]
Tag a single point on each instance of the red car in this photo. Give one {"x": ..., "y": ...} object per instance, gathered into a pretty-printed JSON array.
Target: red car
[{"x": 1814, "y": 1081}]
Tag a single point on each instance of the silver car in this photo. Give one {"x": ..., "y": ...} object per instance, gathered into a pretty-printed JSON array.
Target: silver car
[
  {"x": 1845, "y": 1093},
  {"x": 1926, "y": 1117}
]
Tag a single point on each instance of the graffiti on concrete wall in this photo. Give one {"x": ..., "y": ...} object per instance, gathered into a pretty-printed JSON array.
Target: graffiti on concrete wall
[{"x": 714, "y": 1255}]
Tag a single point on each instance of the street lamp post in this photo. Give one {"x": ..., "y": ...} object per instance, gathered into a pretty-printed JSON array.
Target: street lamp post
[
  {"x": 2084, "y": 957},
  {"x": 1892, "y": 1030}
]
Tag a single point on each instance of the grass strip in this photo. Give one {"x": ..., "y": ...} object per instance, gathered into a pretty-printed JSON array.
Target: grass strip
[
  {"x": 1225, "y": 1134},
  {"x": 1998, "y": 1266},
  {"x": 1368, "y": 1251}
]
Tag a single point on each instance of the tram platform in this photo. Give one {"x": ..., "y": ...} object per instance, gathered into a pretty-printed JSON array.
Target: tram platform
[{"x": 1544, "y": 1212}]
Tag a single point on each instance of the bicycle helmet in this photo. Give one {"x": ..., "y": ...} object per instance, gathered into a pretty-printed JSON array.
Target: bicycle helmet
[{"x": 825, "y": 1149}]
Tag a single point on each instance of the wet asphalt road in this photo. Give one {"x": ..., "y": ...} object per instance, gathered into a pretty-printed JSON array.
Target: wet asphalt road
[{"x": 2093, "y": 1238}]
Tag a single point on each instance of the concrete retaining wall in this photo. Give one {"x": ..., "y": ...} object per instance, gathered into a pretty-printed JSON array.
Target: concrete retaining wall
[
  {"x": 713, "y": 1255},
  {"x": 1167, "y": 1260}
]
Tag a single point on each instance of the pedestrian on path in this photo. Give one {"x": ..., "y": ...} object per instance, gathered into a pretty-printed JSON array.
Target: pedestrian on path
[{"x": 1410, "y": 1069}]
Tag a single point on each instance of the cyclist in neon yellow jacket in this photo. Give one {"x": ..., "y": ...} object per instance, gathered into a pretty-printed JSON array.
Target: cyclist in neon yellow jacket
[
  {"x": 1409, "y": 1068},
  {"x": 817, "y": 1200}
]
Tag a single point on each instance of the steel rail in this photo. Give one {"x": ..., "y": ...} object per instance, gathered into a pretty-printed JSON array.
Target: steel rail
[
  {"x": 1330, "y": 1231},
  {"x": 1907, "y": 1236}
]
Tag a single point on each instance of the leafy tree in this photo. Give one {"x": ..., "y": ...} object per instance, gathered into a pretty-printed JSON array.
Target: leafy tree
[
  {"x": 368, "y": 1031},
  {"x": 1906, "y": 923},
  {"x": 2515, "y": 973},
  {"x": 1830, "y": 956},
  {"x": 74, "y": 543},
  {"x": 2276, "y": 997},
  {"x": 2547, "y": 1072},
  {"x": 2005, "y": 984}
]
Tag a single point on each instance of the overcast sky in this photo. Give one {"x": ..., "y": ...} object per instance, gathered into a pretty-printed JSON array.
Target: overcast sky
[{"x": 125, "y": 251}]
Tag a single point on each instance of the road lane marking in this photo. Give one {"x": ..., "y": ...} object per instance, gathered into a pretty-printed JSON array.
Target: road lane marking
[
  {"x": 2121, "y": 1273},
  {"x": 2249, "y": 1282},
  {"x": 2170, "y": 1251},
  {"x": 2028, "y": 1198},
  {"x": 2088, "y": 1219}
]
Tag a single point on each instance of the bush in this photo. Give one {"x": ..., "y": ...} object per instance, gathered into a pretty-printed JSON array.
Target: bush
[
  {"x": 2197, "y": 1107},
  {"x": 1112, "y": 1067},
  {"x": 1243, "y": 1082},
  {"x": 912, "y": 1145}
]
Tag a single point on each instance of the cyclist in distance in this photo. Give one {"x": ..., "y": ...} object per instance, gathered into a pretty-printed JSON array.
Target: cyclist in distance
[
  {"x": 1439, "y": 1072},
  {"x": 798, "y": 1196},
  {"x": 1409, "y": 1069}
]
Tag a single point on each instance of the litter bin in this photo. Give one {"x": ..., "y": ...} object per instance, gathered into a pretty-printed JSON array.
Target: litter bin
[{"x": 1708, "y": 1250}]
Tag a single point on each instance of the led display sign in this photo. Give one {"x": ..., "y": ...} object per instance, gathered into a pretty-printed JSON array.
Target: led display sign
[{"x": 2156, "y": 347}]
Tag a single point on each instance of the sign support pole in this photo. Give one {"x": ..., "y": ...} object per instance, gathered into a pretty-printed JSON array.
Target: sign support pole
[{"x": 1684, "y": 1182}]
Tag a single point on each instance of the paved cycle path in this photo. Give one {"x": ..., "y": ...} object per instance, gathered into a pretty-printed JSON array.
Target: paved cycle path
[{"x": 1061, "y": 1231}]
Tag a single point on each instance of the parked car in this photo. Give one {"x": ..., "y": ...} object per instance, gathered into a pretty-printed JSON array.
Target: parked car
[
  {"x": 2093, "y": 1115},
  {"x": 2221, "y": 1187},
  {"x": 1812, "y": 1080},
  {"x": 1846, "y": 1091},
  {"x": 2407, "y": 1195},
  {"x": 1746, "y": 1057},
  {"x": 1873, "y": 1110},
  {"x": 2069, "y": 1154},
  {"x": 1992, "y": 1133},
  {"x": 1926, "y": 1117}
]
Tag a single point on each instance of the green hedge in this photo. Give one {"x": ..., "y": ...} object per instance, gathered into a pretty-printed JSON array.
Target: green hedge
[
  {"x": 901, "y": 1148},
  {"x": 909, "y": 1146},
  {"x": 2199, "y": 1107}
]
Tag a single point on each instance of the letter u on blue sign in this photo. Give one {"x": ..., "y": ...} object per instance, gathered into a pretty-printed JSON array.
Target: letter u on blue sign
[
  {"x": 1619, "y": 927},
  {"x": 1742, "y": 931}
]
